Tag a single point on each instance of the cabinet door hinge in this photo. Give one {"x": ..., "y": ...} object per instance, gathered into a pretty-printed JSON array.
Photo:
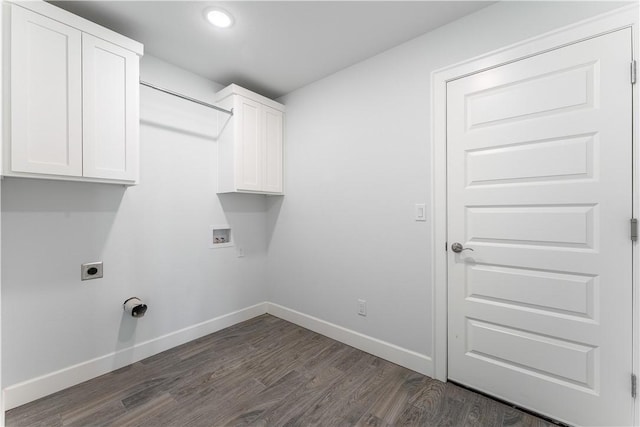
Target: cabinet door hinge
[
  {"x": 634, "y": 229},
  {"x": 633, "y": 72},
  {"x": 634, "y": 384}
]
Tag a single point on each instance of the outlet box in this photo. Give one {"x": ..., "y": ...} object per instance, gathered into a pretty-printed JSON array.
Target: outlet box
[
  {"x": 362, "y": 307},
  {"x": 220, "y": 236},
  {"x": 91, "y": 270}
]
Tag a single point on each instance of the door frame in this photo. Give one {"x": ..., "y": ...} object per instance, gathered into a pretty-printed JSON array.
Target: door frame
[{"x": 624, "y": 17}]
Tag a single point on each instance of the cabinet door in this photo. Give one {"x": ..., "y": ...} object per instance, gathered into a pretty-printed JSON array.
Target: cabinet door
[
  {"x": 272, "y": 153},
  {"x": 248, "y": 146},
  {"x": 111, "y": 116},
  {"x": 46, "y": 97}
]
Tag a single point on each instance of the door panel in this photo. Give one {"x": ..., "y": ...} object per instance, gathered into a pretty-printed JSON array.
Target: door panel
[
  {"x": 534, "y": 161},
  {"x": 273, "y": 141},
  {"x": 46, "y": 95},
  {"x": 539, "y": 186},
  {"x": 111, "y": 117},
  {"x": 249, "y": 155},
  {"x": 543, "y": 291},
  {"x": 533, "y": 354},
  {"x": 573, "y": 88}
]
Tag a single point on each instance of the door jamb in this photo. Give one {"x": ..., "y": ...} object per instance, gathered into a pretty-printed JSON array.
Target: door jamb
[{"x": 625, "y": 17}]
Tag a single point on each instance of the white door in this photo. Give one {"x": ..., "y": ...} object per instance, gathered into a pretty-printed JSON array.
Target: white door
[
  {"x": 46, "y": 95},
  {"x": 111, "y": 117},
  {"x": 539, "y": 174}
]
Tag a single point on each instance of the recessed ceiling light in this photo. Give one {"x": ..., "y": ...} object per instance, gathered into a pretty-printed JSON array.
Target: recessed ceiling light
[{"x": 219, "y": 18}]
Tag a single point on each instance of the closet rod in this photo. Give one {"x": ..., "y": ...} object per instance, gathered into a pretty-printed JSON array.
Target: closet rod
[{"x": 179, "y": 95}]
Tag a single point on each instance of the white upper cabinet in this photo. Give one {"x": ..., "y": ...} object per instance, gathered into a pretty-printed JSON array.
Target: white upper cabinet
[
  {"x": 250, "y": 143},
  {"x": 74, "y": 104}
]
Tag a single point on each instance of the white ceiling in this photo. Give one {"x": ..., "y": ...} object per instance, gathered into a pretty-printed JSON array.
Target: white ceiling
[{"x": 274, "y": 47}]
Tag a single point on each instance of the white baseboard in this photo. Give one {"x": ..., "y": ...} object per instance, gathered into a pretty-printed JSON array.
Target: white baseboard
[
  {"x": 393, "y": 353},
  {"x": 33, "y": 389}
]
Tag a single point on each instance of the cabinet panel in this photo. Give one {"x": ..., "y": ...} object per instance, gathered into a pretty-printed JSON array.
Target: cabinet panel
[
  {"x": 272, "y": 173},
  {"x": 46, "y": 97},
  {"x": 249, "y": 155},
  {"x": 110, "y": 99}
]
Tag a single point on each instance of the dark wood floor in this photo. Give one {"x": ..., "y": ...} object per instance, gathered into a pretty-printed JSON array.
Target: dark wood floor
[{"x": 266, "y": 372}]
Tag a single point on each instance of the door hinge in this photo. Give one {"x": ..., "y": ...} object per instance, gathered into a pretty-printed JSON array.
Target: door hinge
[
  {"x": 634, "y": 229},
  {"x": 634, "y": 385},
  {"x": 633, "y": 72}
]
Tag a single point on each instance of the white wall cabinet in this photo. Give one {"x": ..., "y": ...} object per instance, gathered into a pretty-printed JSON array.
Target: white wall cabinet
[
  {"x": 250, "y": 143},
  {"x": 74, "y": 103}
]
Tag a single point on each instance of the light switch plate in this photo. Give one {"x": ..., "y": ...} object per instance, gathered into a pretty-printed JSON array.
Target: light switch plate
[
  {"x": 421, "y": 212},
  {"x": 362, "y": 307}
]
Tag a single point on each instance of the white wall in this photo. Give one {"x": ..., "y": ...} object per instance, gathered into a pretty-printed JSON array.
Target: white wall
[
  {"x": 151, "y": 237},
  {"x": 358, "y": 156},
  {"x": 357, "y": 160}
]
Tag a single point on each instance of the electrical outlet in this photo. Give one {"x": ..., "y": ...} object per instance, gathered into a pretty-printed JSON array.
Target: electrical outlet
[
  {"x": 362, "y": 307},
  {"x": 91, "y": 270}
]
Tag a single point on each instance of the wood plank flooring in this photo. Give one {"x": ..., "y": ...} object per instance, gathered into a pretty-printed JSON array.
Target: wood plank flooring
[{"x": 266, "y": 372}]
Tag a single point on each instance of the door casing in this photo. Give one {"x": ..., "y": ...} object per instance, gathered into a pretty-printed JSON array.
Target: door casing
[{"x": 625, "y": 17}]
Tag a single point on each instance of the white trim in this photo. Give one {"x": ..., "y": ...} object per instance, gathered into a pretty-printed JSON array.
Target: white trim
[
  {"x": 620, "y": 18},
  {"x": 234, "y": 89},
  {"x": 393, "y": 353},
  {"x": 636, "y": 209},
  {"x": 2, "y": 141},
  {"x": 33, "y": 389}
]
